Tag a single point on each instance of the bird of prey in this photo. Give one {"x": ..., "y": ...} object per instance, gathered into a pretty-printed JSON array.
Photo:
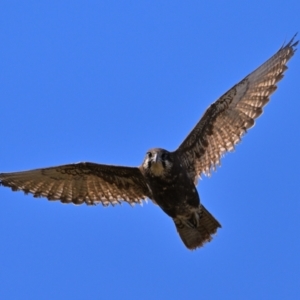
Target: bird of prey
[{"x": 167, "y": 178}]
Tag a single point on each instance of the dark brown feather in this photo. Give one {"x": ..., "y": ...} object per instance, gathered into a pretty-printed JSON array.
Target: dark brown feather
[{"x": 203, "y": 233}]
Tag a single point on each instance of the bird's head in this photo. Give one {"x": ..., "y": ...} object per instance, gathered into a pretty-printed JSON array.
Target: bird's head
[{"x": 157, "y": 161}]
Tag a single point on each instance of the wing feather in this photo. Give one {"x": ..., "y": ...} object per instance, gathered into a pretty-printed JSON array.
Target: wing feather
[
  {"x": 228, "y": 119},
  {"x": 81, "y": 183}
]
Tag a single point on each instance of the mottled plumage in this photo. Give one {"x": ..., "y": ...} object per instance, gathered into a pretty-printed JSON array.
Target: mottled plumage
[{"x": 167, "y": 178}]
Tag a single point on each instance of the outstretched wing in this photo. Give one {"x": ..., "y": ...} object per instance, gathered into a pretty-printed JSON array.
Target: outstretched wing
[
  {"x": 83, "y": 182},
  {"x": 225, "y": 121}
]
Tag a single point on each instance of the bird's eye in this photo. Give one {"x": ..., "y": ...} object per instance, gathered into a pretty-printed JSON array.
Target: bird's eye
[
  {"x": 164, "y": 156},
  {"x": 149, "y": 154}
]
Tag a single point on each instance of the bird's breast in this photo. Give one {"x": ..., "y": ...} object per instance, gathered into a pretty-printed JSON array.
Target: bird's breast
[
  {"x": 157, "y": 170},
  {"x": 174, "y": 193}
]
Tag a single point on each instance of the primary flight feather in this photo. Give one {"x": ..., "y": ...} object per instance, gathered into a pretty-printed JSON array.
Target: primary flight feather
[{"x": 167, "y": 178}]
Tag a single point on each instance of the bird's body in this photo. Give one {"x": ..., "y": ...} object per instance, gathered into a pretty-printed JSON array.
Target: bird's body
[
  {"x": 175, "y": 193},
  {"x": 167, "y": 178},
  {"x": 170, "y": 185}
]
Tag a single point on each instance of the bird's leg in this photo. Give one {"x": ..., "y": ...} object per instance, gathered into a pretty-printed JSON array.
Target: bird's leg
[{"x": 191, "y": 221}]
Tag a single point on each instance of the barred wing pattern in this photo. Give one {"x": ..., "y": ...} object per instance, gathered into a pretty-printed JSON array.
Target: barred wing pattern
[
  {"x": 83, "y": 182},
  {"x": 227, "y": 120}
]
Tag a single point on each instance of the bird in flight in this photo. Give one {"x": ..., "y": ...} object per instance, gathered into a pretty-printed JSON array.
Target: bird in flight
[{"x": 168, "y": 178}]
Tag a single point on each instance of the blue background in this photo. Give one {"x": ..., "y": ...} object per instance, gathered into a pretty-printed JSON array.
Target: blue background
[{"x": 103, "y": 81}]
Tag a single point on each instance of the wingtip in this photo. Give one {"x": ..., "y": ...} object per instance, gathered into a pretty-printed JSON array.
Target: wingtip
[{"x": 292, "y": 43}]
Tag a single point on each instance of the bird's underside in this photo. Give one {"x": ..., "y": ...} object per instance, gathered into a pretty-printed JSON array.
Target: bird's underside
[{"x": 167, "y": 178}]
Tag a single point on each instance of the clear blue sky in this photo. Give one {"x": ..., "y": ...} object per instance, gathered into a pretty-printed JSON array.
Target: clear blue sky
[{"x": 103, "y": 81}]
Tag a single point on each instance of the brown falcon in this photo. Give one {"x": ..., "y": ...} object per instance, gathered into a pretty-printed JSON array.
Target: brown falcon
[{"x": 167, "y": 178}]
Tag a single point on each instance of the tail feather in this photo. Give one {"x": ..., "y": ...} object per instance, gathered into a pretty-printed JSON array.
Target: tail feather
[{"x": 198, "y": 236}]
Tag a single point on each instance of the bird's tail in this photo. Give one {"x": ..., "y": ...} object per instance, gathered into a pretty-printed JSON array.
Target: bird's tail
[{"x": 196, "y": 236}]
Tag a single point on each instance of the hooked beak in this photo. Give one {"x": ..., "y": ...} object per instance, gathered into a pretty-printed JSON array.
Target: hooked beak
[{"x": 155, "y": 158}]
